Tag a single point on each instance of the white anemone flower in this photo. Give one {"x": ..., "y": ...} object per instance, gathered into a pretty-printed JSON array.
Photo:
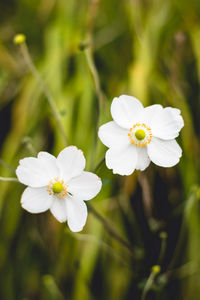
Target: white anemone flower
[
  {"x": 58, "y": 184},
  {"x": 138, "y": 135}
]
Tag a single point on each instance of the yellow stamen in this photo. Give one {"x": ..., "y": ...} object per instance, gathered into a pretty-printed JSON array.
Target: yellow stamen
[
  {"x": 57, "y": 188},
  {"x": 140, "y": 135}
]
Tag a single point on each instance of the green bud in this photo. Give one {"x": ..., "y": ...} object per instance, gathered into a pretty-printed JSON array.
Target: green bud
[
  {"x": 19, "y": 38},
  {"x": 156, "y": 269}
]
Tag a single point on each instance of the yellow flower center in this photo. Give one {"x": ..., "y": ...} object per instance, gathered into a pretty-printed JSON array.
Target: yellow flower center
[
  {"x": 140, "y": 134},
  {"x": 57, "y": 187}
]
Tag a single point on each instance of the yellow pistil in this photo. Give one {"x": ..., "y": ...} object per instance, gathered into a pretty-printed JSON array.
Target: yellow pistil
[
  {"x": 57, "y": 187},
  {"x": 140, "y": 134}
]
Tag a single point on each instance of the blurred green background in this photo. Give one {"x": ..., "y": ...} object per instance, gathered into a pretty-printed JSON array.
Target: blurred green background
[{"x": 148, "y": 49}]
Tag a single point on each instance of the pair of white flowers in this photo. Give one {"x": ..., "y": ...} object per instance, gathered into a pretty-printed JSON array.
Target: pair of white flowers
[{"x": 136, "y": 136}]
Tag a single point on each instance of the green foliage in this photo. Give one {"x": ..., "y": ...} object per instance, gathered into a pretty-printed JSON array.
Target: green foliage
[{"x": 149, "y": 49}]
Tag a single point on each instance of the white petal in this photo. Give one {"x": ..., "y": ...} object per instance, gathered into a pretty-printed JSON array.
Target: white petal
[
  {"x": 112, "y": 135},
  {"x": 122, "y": 161},
  {"x": 47, "y": 156},
  {"x": 36, "y": 200},
  {"x": 37, "y": 172},
  {"x": 149, "y": 113},
  {"x": 143, "y": 160},
  {"x": 164, "y": 153},
  {"x": 71, "y": 162},
  {"x": 125, "y": 110},
  {"x": 167, "y": 124},
  {"x": 85, "y": 186},
  {"x": 59, "y": 209},
  {"x": 77, "y": 214}
]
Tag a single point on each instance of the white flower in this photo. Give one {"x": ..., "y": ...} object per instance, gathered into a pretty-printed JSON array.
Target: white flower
[
  {"x": 139, "y": 135},
  {"x": 58, "y": 184}
]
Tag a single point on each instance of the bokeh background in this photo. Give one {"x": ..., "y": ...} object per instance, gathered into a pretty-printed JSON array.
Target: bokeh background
[{"x": 146, "y": 48}]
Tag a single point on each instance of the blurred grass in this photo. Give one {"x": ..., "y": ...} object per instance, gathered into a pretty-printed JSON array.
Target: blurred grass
[{"x": 149, "y": 49}]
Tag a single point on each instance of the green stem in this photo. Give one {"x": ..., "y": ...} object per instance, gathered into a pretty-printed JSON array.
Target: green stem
[
  {"x": 154, "y": 272},
  {"x": 99, "y": 165},
  {"x": 9, "y": 179},
  {"x": 43, "y": 86},
  {"x": 111, "y": 230},
  {"x": 95, "y": 76},
  {"x": 163, "y": 236},
  {"x": 148, "y": 285},
  {"x": 146, "y": 194},
  {"x": 7, "y": 166}
]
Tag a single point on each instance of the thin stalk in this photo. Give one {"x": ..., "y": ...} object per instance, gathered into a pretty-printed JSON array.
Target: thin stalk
[
  {"x": 7, "y": 166},
  {"x": 154, "y": 272},
  {"x": 183, "y": 271},
  {"x": 9, "y": 179},
  {"x": 91, "y": 64},
  {"x": 146, "y": 194},
  {"x": 103, "y": 245},
  {"x": 163, "y": 236},
  {"x": 148, "y": 285},
  {"x": 43, "y": 86},
  {"x": 99, "y": 164},
  {"x": 95, "y": 75},
  {"x": 110, "y": 230},
  {"x": 179, "y": 245}
]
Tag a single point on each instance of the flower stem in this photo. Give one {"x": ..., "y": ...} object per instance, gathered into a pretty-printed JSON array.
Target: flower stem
[
  {"x": 110, "y": 229},
  {"x": 95, "y": 75},
  {"x": 92, "y": 67},
  {"x": 7, "y": 166},
  {"x": 99, "y": 165},
  {"x": 154, "y": 271},
  {"x": 163, "y": 237},
  {"x": 146, "y": 194},
  {"x": 43, "y": 86},
  {"x": 9, "y": 179}
]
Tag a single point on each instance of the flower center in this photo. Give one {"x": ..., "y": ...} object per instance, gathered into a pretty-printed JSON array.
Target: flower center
[
  {"x": 57, "y": 188},
  {"x": 140, "y": 135}
]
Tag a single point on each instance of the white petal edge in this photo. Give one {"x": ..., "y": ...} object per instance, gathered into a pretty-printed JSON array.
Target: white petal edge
[
  {"x": 143, "y": 160},
  {"x": 167, "y": 124},
  {"x": 36, "y": 200},
  {"x": 59, "y": 210},
  {"x": 122, "y": 161},
  {"x": 71, "y": 162},
  {"x": 126, "y": 110},
  {"x": 85, "y": 186},
  {"x": 77, "y": 214},
  {"x": 164, "y": 153},
  {"x": 113, "y": 136},
  {"x": 37, "y": 172}
]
